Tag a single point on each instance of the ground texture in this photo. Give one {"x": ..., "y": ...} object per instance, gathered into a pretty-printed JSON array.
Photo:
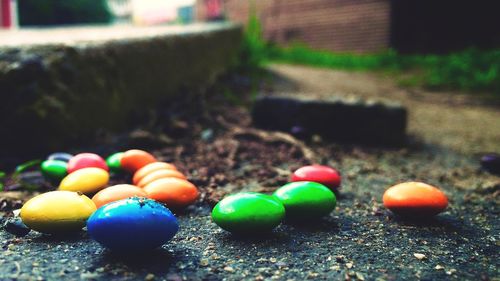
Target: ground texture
[{"x": 360, "y": 240}]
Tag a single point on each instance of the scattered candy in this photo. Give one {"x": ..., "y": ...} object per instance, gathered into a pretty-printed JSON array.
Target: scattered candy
[
  {"x": 57, "y": 212},
  {"x": 113, "y": 162},
  {"x": 491, "y": 163},
  {"x": 133, "y": 160},
  {"x": 306, "y": 200},
  {"x": 248, "y": 212},
  {"x": 61, "y": 156},
  {"x": 149, "y": 168},
  {"x": 16, "y": 226},
  {"x": 317, "y": 173},
  {"x": 86, "y": 160},
  {"x": 86, "y": 180},
  {"x": 117, "y": 192},
  {"x": 175, "y": 193},
  {"x": 54, "y": 169},
  {"x": 415, "y": 199},
  {"x": 160, "y": 174},
  {"x": 132, "y": 225}
]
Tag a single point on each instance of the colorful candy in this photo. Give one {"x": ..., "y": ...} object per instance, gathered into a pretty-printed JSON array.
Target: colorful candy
[
  {"x": 86, "y": 160},
  {"x": 306, "y": 200},
  {"x": 317, "y": 173},
  {"x": 415, "y": 199},
  {"x": 173, "y": 192},
  {"x": 248, "y": 212},
  {"x": 133, "y": 160},
  {"x": 117, "y": 192},
  {"x": 61, "y": 156},
  {"x": 160, "y": 174},
  {"x": 113, "y": 162},
  {"x": 86, "y": 180},
  {"x": 57, "y": 212},
  {"x": 132, "y": 225},
  {"x": 149, "y": 168},
  {"x": 54, "y": 170}
]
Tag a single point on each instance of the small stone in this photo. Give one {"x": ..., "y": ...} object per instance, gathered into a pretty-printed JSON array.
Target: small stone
[
  {"x": 149, "y": 277},
  {"x": 204, "y": 262},
  {"x": 349, "y": 265},
  {"x": 16, "y": 226},
  {"x": 439, "y": 267},
  {"x": 207, "y": 135},
  {"x": 360, "y": 276},
  {"x": 451, "y": 271},
  {"x": 229, "y": 269},
  {"x": 419, "y": 256}
]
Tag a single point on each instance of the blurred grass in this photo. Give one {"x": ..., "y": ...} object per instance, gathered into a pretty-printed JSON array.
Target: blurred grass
[{"x": 469, "y": 70}]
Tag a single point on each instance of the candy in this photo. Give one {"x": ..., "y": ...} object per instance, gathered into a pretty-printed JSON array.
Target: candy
[
  {"x": 415, "y": 199},
  {"x": 132, "y": 225},
  {"x": 306, "y": 200},
  {"x": 318, "y": 173},
  {"x": 61, "y": 156},
  {"x": 160, "y": 174},
  {"x": 117, "y": 192},
  {"x": 113, "y": 162},
  {"x": 149, "y": 168},
  {"x": 174, "y": 192},
  {"x": 133, "y": 160},
  {"x": 248, "y": 212},
  {"x": 57, "y": 212},
  {"x": 86, "y": 160},
  {"x": 86, "y": 180},
  {"x": 54, "y": 169}
]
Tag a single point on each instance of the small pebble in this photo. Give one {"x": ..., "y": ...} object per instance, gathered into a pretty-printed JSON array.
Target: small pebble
[
  {"x": 419, "y": 256},
  {"x": 317, "y": 173},
  {"x": 16, "y": 226},
  {"x": 248, "y": 212},
  {"x": 415, "y": 199}
]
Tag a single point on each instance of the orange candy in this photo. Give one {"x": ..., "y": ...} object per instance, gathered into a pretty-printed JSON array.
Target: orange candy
[
  {"x": 415, "y": 199},
  {"x": 174, "y": 192},
  {"x": 134, "y": 159},
  {"x": 160, "y": 174},
  {"x": 149, "y": 168},
  {"x": 117, "y": 192}
]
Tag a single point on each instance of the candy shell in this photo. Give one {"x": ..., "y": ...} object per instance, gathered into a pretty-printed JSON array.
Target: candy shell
[
  {"x": 54, "y": 169},
  {"x": 113, "y": 162},
  {"x": 174, "y": 192},
  {"x": 86, "y": 160},
  {"x": 160, "y": 174},
  {"x": 248, "y": 212},
  {"x": 306, "y": 200},
  {"x": 117, "y": 192},
  {"x": 149, "y": 168},
  {"x": 132, "y": 225},
  {"x": 134, "y": 159},
  {"x": 57, "y": 212},
  {"x": 86, "y": 180},
  {"x": 415, "y": 199},
  {"x": 317, "y": 173},
  {"x": 61, "y": 156}
]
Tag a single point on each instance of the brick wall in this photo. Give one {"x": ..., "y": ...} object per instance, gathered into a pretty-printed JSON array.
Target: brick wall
[{"x": 340, "y": 25}]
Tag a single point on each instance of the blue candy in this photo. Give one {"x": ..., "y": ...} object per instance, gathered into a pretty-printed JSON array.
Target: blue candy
[
  {"x": 61, "y": 156},
  {"x": 132, "y": 225}
]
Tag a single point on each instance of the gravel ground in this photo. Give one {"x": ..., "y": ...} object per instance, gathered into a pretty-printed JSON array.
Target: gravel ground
[{"x": 360, "y": 240}]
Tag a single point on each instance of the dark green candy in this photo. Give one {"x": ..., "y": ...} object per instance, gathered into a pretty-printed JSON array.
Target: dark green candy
[
  {"x": 248, "y": 212},
  {"x": 113, "y": 162},
  {"x": 54, "y": 170},
  {"x": 306, "y": 200}
]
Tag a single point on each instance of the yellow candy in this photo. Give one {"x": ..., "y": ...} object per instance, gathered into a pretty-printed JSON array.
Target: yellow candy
[
  {"x": 57, "y": 211},
  {"x": 86, "y": 180}
]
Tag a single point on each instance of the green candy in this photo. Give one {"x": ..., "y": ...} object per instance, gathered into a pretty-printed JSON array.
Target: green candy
[
  {"x": 113, "y": 162},
  {"x": 248, "y": 212},
  {"x": 306, "y": 200},
  {"x": 54, "y": 170}
]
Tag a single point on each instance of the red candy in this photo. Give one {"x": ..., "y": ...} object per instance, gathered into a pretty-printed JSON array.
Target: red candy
[
  {"x": 86, "y": 160},
  {"x": 318, "y": 173},
  {"x": 134, "y": 159}
]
